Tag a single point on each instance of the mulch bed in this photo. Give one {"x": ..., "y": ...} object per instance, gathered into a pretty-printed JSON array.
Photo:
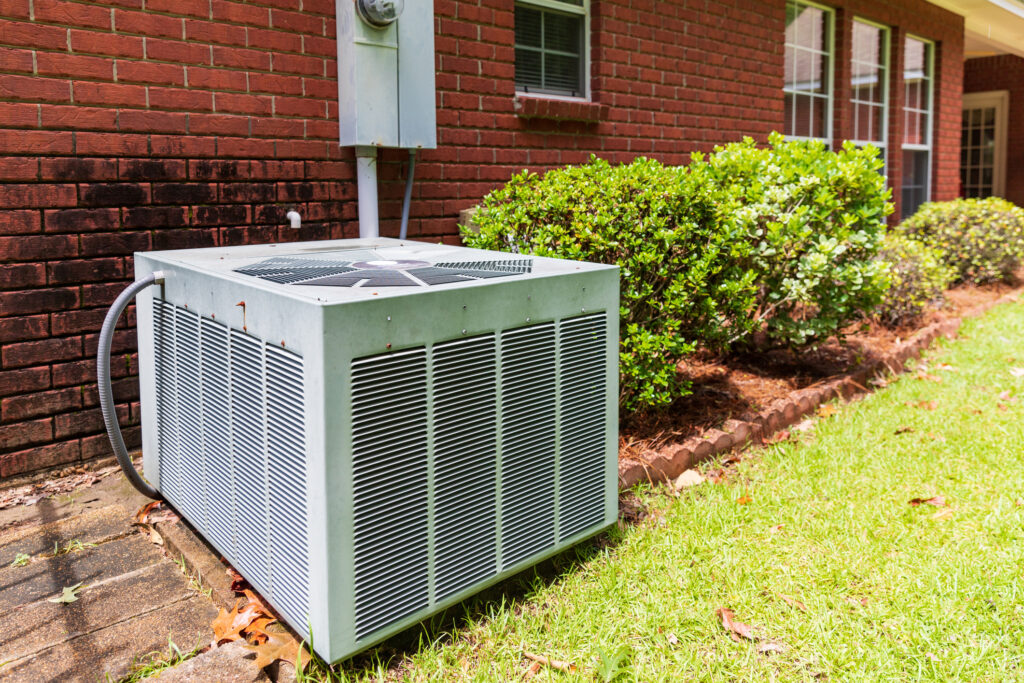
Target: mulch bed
[{"x": 739, "y": 386}]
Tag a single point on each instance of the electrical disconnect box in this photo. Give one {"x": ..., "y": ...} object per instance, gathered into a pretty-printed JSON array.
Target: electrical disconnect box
[{"x": 386, "y": 73}]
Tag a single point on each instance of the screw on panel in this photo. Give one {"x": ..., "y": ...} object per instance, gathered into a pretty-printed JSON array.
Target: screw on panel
[
  {"x": 282, "y": 343},
  {"x": 388, "y": 345},
  {"x": 463, "y": 332}
]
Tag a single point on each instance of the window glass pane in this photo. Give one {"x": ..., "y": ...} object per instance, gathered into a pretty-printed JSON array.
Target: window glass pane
[
  {"x": 549, "y": 50},
  {"x": 915, "y": 180},
  {"x": 868, "y": 75},
  {"x": 917, "y": 103},
  {"x": 808, "y": 69}
]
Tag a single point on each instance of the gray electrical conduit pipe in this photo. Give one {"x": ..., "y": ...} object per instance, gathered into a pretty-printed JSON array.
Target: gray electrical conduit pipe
[
  {"x": 103, "y": 380},
  {"x": 408, "y": 195}
]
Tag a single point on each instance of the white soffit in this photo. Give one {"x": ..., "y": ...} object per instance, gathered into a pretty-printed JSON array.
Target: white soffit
[{"x": 990, "y": 26}]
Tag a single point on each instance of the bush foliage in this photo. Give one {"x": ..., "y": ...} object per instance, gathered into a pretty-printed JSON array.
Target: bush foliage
[
  {"x": 918, "y": 276},
  {"x": 982, "y": 239},
  {"x": 774, "y": 244}
]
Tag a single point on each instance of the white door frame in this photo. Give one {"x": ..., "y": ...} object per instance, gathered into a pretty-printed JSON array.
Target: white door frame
[{"x": 1000, "y": 101}]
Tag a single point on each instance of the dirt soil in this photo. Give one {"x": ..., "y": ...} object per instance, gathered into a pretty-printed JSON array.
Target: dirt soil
[{"x": 738, "y": 386}]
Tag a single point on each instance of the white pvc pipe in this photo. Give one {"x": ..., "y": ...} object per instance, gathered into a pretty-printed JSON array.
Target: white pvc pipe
[{"x": 366, "y": 179}]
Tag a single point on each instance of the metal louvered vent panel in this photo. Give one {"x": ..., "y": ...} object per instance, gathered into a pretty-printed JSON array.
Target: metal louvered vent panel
[
  {"x": 216, "y": 427},
  {"x": 528, "y": 437},
  {"x": 231, "y": 449},
  {"x": 389, "y": 434},
  {"x": 249, "y": 456},
  {"x": 320, "y": 272},
  {"x": 582, "y": 371},
  {"x": 286, "y": 472},
  {"x": 465, "y": 442}
]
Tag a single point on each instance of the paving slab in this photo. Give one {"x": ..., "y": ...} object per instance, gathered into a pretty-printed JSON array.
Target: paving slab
[
  {"x": 89, "y": 526},
  {"x": 230, "y": 663},
  {"x": 38, "y": 625},
  {"x": 109, "y": 653},
  {"x": 46, "y": 576}
]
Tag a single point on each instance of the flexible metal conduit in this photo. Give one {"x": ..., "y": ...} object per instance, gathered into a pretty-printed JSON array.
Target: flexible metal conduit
[{"x": 103, "y": 380}]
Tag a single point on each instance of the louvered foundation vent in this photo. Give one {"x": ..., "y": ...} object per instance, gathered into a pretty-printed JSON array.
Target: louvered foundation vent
[{"x": 369, "y": 453}]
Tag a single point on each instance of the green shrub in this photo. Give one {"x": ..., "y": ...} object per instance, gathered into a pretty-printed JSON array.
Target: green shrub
[
  {"x": 983, "y": 239},
  {"x": 659, "y": 225},
  {"x": 778, "y": 240},
  {"x": 814, "y": 220},
  {"x": 918, "y": 276}
]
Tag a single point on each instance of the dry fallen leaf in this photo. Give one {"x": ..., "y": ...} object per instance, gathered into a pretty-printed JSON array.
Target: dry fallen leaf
[
  {"x": 532, "y": 671},
  {"x": 687, "y": 479},
  {"x": 68, "y": 594},
  {"x": 566, "y": 667},
  {"x": 142, "y": 516},
  {"x": 826, "y": 410},
  {"x": 793, "y": 602},
  {"x": 238, "y": 582},
  {"x": 927, "y": 405},
  {"x": 228, "y": 626},
  {"x": 779, "y": 436},
  {"x": 943, "y": 514},
  {"x": 937, "y": 501},
  {"x": 279, "y": 646},
  {"x": 672, "y": 639},
  {"x": 744, "y": 500},
  {"x": 769, "y": 647},
  {"x": 257, "y": 629},
  {"x": 736, "y": 629},
  {"x": 903, "y": 430},
  {"x": 947, "y": 368},
  {"x": 152, "y": 534},
  {"x": 930, "y": 378},
  {"x": 777, "y": 528}
]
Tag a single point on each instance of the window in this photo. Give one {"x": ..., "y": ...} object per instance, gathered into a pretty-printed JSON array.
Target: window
[
  {"x": 551, "y": 47},
  {"x": 869, "y": 81},
  {"x": 917, "y": 123},
  {"x": 983, "y": 144},
  {"x": 808, "y": 82}
]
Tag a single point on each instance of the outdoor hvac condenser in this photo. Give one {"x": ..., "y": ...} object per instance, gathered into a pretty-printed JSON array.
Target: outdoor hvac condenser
[{"x": 370, "y": 431}]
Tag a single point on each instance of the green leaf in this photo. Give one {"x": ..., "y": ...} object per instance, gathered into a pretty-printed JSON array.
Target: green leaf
[{"x": 69, "y": 594}]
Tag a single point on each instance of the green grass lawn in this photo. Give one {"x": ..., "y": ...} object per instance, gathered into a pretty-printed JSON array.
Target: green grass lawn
[{"x": 890, "y": 591}]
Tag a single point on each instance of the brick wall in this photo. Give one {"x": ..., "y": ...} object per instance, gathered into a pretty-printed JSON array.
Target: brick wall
[
  {"x": 155, "y": 124},
  {"x": 1004, "y": 72}
]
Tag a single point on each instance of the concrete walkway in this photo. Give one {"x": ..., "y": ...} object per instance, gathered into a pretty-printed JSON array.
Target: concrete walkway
[{"x": 134, "y": 599}]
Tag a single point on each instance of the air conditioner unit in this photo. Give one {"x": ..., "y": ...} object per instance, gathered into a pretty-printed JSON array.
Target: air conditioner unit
[{"x": 371, "y": 431}]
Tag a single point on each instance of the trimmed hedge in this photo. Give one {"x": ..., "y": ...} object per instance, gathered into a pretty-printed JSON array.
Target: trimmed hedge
[
  {"x": 981, "y": 239},
  {"x": 773, "y": 244},
  {"x": 918, "y": 277}
]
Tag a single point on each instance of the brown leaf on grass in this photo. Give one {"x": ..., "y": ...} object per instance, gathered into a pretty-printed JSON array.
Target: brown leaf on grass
[
  {"x": 903, "y": 429},
  {"x": 737, "y": 630},
  {"x": 744, "y": 500},
  {"x": 768, "y": 647},
  {"x": 532, "y": 671},
  {"x": 937, "y": 501},
  {"x": 781, "y": 435},
  {"x": 928, "y": 377},
  {"x": 777, "y": 528},
  {"x": 947, "y": 368},
  {"x": 1002, "y": 407},
  {"x": 793, "y": 602},
  {"x": 927, "y": 405},
  {"x": 687, "y": 479},
  {"x": 826, "y": 410},
  {"x": 228, "y": 626},
  {"x": 279, "y": 646},
  {"x": 566, "y": 667},
  {"x": 936, "y": 437}
]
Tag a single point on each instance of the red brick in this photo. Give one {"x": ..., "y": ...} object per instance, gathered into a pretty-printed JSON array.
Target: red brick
[
  {"x": 153, "y": 121},
  {"x": 38, "y": 300},
  {"x": 150, "y": 73},
  {"x": 81, "y": 220},
  {"x": 16, "y": 196},
  {"x": 210, "y": 32},
  {"x": 71, "y": 13},
  {"x": 35, "y": 141},
  {"x": 45, "y": 403},
  {"x": 240, "y": 58},
  {"x": 120, "y": 144},
  {"x": 76, "y": 322},
  {"x": 74, "y": 66},
  {"x": 19, "y": 169},
  {"x": 109, "y": 94},
  {"x": 37, "y": 247},
  {"x": 76, "y": 169},
  {"x": 177, "y": 52},
  {"x": 113, "y": 194},
  {"x": 24, "y": 380},
  {"x": 12, "y": 59},
  {"x": 88, "y": 270},
  {"x": 148, "y": 24},
  {"x": 218, "y": 124},
  {"x": 194, "y": 8},
  {"x": 24, "y": 328},
  {"x": 21, "y": 275},
  {"x": 33, "y": 459},
  {"x": 19, "y": 222},
  {"x": 216, "y": 79},
  {"x": 222, "y": 10},
  {"x": 106, "y": 44},
  {"x": 77, "y": 117},
  {"x": 33, "y": 35},
  {"x": 185, "y": 100},
  {"x": 25, "y": 433},
  {"x": 22, "y": 354},
  {"x": 243, "y": 104},
  {"x": 115, "y": 243}
]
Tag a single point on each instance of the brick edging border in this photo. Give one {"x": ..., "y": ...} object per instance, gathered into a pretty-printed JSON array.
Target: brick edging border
[{"x": 675, "y": 458}]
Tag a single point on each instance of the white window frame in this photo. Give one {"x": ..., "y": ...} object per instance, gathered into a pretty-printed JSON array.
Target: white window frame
[
  {"x": 830, "y": 52},
  {"x": 886, "y": 64},
  {"x": 1000, "y": 101},
  {"x": 566, "y": 8},
  {"x": 930, "y": 62}
]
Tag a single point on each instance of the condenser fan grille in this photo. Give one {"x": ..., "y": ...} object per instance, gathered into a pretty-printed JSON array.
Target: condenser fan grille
[{"x": 379, "y": 272}]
